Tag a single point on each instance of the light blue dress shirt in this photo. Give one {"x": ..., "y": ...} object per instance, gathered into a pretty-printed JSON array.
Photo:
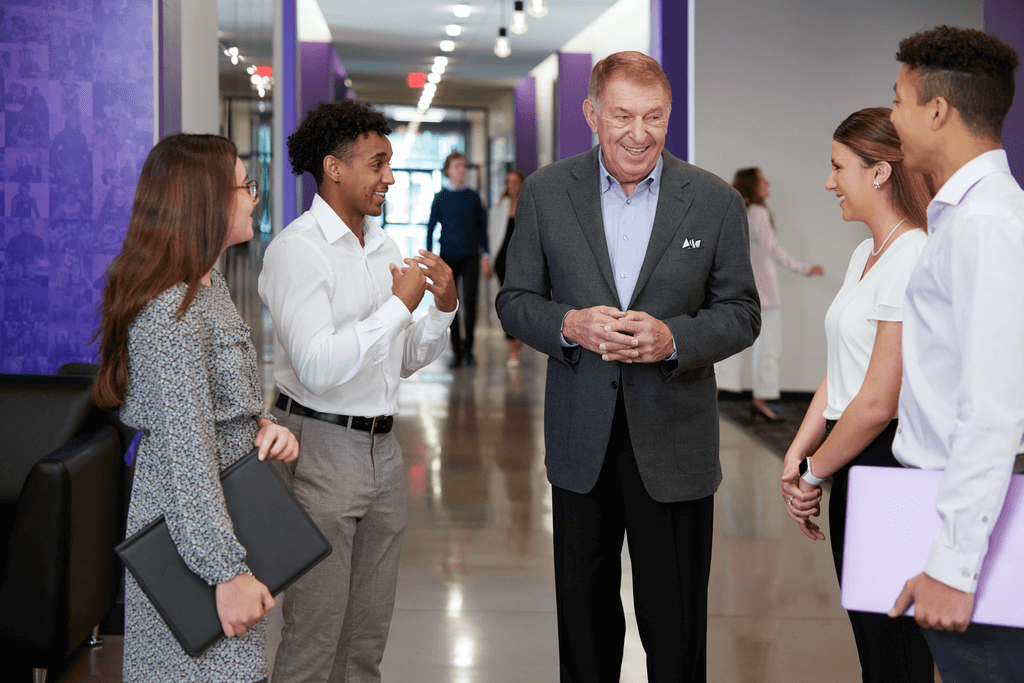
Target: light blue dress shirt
[{"x": 628, "y": 222}]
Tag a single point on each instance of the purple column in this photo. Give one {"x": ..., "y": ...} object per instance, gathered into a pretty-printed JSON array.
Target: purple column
[
  {"x": 525, "y": 95},
  {"x": 1005, "y": 19},
  {"x": 318, "y": 74},
  {"x": 670, "y": 46},
  {"x": 290, "y": 92},
  {"x": 574, "y": 136}
]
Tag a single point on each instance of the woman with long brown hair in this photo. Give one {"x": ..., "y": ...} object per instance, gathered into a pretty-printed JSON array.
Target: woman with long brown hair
[
  {"x": 177, "y": 357},
  {"x": 851, "y": 419},
  {"x": 501, "y": 222},
  {"x": 765, "y": 253}
]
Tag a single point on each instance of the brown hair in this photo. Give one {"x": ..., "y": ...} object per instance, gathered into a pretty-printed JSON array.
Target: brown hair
[
  {"x": 450, "y": 158},
  {"x": 635, "y": 66},
  {"x": 871, "y": 136},
  {"x": 970, "y": 69},
  {"x": 746, "y": 183},
  {"x": 178, "y": 227},
  {"x": 512, "y": 172}
]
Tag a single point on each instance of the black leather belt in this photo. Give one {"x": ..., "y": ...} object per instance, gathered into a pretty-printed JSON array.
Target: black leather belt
[{"x": 381, "y": 424}]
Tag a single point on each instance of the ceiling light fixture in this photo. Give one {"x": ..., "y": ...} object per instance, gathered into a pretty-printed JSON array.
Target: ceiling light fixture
[
  {"x": 518, "y": 19},
  {"x": 437, "y": 69},
  {"x": 447, "y": 45},
  {"x": 441, "y": 59},
  {"x": 454, "y": 30},
  {"x": 538, "y": 8},
  {"x": 461, "y": 11},
  {"x": 502, "y": 48},
  {"x": 434, "y": 78}
]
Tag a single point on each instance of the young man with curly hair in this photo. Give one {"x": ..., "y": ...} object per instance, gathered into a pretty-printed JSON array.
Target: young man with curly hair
[
  {"x": 342, "y": 297},
  {"x": 961, "y": 406}
]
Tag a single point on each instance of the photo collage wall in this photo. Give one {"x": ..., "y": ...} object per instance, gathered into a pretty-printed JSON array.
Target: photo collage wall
[{"x": 76, "y": 84}]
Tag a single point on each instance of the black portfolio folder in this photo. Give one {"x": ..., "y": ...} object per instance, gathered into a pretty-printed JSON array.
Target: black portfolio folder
[{"x": 282, "y": 543}]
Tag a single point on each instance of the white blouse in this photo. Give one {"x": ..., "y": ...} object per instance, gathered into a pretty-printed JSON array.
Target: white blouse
[{"x": 852, "y": 319}]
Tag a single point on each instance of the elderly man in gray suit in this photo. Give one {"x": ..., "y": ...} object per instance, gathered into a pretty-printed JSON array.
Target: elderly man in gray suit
[{"x": 630, "y": 269}]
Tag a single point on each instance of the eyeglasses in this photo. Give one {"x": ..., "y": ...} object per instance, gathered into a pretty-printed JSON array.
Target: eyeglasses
[{"x": 253, "y": 187}]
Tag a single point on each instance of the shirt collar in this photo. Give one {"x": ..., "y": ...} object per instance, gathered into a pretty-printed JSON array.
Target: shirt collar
[
  {"x": 653, "y": 179},
  {"x": 334, "y": 229},
  {"x": 966, "y": 177}
]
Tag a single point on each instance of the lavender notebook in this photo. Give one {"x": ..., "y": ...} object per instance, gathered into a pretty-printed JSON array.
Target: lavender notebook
[{"x": 890, "y": 523}]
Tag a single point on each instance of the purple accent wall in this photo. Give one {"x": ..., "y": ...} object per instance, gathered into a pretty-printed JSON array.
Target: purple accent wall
[
  {"x": 525, "y": 95},
  {"x": 318, "y": 62},
  {"x": 288, "y": 82},
  {"x": 76, "y": 87},
  {"x": 669, "y": 35},
  {"x": 1005, "y": 19},
  {"x": 574, "y": 136}
]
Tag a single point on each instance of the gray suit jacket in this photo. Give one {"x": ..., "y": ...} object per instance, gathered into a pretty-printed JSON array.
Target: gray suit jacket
[{"x": 558, "y": 260}]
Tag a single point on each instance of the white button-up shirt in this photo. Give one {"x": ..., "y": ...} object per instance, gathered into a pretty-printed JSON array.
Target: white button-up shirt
[
  {"x": 343, "y": 339},
  {"x": 961, "y": 406}
]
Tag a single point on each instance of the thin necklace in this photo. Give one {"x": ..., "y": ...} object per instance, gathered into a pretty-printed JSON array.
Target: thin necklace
[{"x": 876, "y": 253}]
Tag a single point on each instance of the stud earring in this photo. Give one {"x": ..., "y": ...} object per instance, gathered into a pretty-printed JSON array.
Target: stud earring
[{"x": 876, "y": 185}]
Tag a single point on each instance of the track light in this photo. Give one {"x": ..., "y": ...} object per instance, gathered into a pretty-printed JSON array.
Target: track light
[
  {"x": 518, "y": 19},
  {"x": 447, "y": 45},
  {"x": 461, "y": 11},
  {"x": 502, "y": 47}
]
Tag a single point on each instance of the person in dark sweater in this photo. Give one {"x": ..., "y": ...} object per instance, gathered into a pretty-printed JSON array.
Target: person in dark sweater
[{"x": 463, "y": 242}]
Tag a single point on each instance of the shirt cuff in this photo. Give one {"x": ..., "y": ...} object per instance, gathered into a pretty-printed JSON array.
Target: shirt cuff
[
  {"x": 444, "y": 320},
  {"x": 952, "y": 568},
  {"x": 394, "y": 316},
  {"x": 675, "y": 351},
  {"x": 566, "y": 343}
]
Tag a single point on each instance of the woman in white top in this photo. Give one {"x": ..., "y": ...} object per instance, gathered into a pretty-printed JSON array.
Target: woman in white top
[
  {"x": 500, "y": 223},
  {"x": 765, "y": 252},
  {"x": 851, "y": 420}
]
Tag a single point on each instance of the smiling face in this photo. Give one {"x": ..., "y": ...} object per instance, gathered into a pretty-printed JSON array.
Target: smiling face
[
  {"x": 240, "y": 211},
  {"x": 631, "y": 127},
  {"x": 852, "y": 183},
  {"x": 363, "y": 179},
  {"x": 911, "y": 120}
]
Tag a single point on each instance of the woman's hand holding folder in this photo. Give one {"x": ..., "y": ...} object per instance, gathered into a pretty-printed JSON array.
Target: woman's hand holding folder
[{"x": 241, "y": 603}]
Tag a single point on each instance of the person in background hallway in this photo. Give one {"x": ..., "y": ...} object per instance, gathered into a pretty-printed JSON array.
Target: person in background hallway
[
  {"x": 765, "y": 252},
  {"x": 177, "y": 355},
  {"x": 500, "y": 225},
  {"x": 962, "y": 405},
  {"x": 630, "y": 269},
  {"x": 342, "y": 298},
  {"x": 463, "y": 244},
  {"x": 851, "y": 418}
]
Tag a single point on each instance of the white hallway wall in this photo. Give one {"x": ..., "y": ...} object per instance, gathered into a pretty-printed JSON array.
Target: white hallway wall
[{"x": 773, "y": 78}]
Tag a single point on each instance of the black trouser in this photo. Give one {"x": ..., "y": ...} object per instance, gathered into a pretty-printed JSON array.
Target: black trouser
[
  {"x": 466, "y": 273},
  {"x": 890, "y": 650},
  {"x": 670, "y": 552}
]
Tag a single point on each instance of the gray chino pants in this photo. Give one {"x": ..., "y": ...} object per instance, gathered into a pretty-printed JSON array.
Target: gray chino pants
[{"x": 336, "y": 617}]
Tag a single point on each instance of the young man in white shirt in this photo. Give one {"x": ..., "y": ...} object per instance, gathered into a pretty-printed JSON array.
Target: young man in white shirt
[
  {"x": 342, "y": 297},
  {"x": 961, "y": 406}
]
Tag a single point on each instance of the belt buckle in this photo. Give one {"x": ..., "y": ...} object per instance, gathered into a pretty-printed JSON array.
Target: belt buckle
[{"x": 373, "y": 425}]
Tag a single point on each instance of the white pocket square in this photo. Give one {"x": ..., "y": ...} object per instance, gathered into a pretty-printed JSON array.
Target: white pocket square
[{"x": 691, "y": 244}]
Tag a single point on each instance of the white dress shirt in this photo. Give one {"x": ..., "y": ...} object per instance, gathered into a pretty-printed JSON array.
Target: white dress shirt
[
  {"x": 851, "y": 322},
  {"x": 343, "y": 339},
  {"x": 962, "y": 403}
]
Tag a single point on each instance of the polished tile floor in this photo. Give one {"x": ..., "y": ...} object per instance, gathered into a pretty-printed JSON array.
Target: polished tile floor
[{"x": 476, "y": 596}]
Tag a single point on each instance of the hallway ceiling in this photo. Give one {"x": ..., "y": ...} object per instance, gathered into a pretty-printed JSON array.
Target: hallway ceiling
[{"x": 381, "y": 41}]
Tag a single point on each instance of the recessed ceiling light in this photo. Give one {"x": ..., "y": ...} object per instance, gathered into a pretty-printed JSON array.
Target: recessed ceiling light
[
  {"x": 437, "y": 69},
  {"x": 447, "y": 45},
  {"x": 454, "y": 30},
  {"x": 434, "y": 78},
  {"x": 441, "y": 59},
  {"x": 461, "y": 11}
]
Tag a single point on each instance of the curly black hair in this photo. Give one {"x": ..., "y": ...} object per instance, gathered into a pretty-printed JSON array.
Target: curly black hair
[
  {"x": 971, "y": 69},
  {"x": 331, "y": 129}
]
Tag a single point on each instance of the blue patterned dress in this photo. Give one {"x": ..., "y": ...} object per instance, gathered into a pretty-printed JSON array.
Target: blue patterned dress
[{"x": 194, "y": 391}]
